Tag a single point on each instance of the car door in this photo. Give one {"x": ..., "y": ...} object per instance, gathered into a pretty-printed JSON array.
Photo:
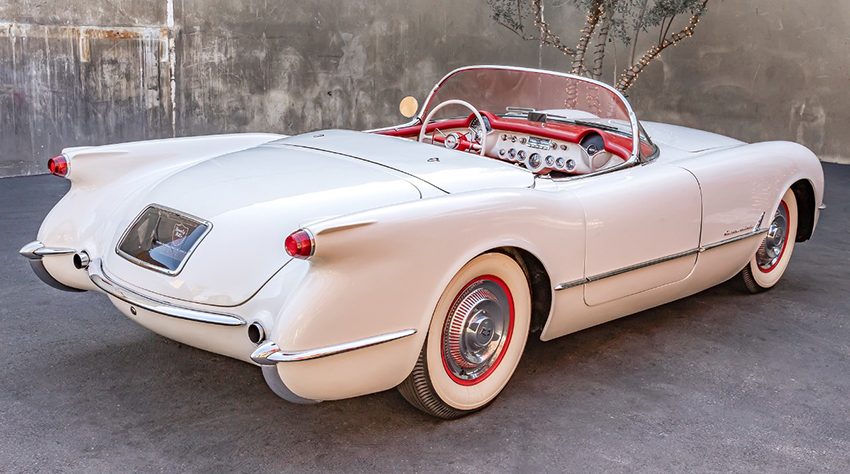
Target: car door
[{"x": 642, "y": 230}]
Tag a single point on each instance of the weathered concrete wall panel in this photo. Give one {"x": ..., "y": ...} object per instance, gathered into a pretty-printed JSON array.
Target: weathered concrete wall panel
[
  {"x": 95, "y": 72},
  {"x": 61, "y": 86},
  {"x": 322, "y": 64},
  {"x": 760, "y": 70}
]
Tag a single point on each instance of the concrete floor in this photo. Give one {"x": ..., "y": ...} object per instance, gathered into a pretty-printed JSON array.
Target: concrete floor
[{"x": 720, "y": 381}]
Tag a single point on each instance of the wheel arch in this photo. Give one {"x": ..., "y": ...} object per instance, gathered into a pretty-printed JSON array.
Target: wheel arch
[
  {"x": 805, "y": 193},
  {"x": 539, "y": 283}
]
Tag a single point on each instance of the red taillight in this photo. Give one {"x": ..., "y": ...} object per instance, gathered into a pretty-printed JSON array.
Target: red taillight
[
  {"x": 300, "y": 244},
  {"x": 58, "y": 166}
]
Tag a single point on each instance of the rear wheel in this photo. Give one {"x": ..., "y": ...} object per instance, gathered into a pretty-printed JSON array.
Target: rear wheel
[
  {"x": 477, "y": 335},
  {"x": 771, "y": 259}
]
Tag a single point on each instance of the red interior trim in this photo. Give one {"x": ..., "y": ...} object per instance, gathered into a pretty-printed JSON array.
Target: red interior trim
[{"x": 614, "y": 143}]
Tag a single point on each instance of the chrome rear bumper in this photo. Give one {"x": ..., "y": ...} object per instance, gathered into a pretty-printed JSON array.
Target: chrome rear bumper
[
  {"x": 34, "y": 251},
  {"x": 268, "y": 353},
  {"x": 102, "y": 281}
]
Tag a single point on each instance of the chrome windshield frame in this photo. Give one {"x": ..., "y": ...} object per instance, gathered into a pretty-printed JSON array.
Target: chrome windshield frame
[
  {"x": 633, "y": 122},
  {"x": 634, "y": 159}
]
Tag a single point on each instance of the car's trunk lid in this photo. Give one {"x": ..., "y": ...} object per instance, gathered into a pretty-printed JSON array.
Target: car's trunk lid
[{"x": 253, "y": 199}]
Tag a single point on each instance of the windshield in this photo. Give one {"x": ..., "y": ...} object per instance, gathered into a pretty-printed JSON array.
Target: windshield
[{"x": 508, "y": 92}]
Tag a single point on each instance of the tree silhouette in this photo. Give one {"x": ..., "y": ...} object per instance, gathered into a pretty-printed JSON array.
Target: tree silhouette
[{"x": 605, "y": 22}]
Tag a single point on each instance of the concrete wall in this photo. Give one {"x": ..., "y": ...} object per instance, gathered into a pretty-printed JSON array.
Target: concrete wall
[
  {"x": 94, "y": 72},
  {"x": 760, "y": 70}
]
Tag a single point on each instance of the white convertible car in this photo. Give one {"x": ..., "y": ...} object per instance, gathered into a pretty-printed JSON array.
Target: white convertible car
[{"x": 422, "y": 256}]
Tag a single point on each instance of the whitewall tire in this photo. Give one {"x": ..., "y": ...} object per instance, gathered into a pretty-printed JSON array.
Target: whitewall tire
[
  {"x": 771, "y": 259},
  {"x": 476, "y": 338}
]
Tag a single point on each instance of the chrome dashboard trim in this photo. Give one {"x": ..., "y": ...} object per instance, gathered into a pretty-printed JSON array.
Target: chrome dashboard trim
[
  {"x": 110, "y": 287},
  {"x": 269, "y": 353},
  {"x": 649, "y": 263},
  {"x": 35, "y": 250}
]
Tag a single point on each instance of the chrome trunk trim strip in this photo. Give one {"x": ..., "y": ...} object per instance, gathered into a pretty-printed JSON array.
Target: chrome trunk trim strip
[
  {"x": 102, "y": 281},
  {"x": 268, "y": 353},
  {"x": 675, "y": 256}
]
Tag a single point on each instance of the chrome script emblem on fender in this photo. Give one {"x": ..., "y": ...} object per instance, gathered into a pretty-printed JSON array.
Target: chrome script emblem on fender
[{"x": 753, "y": 228}]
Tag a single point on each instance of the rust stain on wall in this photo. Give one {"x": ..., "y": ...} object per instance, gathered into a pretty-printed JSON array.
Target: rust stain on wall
[{"x": 77, "y": 85}]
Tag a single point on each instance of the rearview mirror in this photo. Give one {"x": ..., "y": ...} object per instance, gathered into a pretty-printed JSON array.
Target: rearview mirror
[{"x": 408, "y": 106}]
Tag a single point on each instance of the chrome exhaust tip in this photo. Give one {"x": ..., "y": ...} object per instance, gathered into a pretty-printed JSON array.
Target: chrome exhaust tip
[
  {"x": 256, "y": 333},
  {"x": 81, "y": 260}
]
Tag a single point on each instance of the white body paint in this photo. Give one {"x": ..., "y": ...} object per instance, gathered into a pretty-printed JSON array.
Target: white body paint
[{"x": 393, "y": 226}]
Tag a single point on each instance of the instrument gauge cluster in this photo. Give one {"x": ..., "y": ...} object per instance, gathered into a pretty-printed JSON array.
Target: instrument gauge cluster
[{"x": 538, "y": 154}]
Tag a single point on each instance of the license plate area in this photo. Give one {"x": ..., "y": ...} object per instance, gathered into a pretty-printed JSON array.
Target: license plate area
[{"x": 162, "y": 239}]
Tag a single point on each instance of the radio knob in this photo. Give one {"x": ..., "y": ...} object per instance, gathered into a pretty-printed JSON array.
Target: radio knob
[{"x": 564, "y": 147}]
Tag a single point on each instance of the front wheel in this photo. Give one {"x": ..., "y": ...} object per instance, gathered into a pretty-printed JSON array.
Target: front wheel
[
  {"x": 477, "y": 335},
  {"x": 771, "y": 259}
]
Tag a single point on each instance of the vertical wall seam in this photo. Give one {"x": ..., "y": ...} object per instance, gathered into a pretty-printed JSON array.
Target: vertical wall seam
[{"x": 172, "y": 63}]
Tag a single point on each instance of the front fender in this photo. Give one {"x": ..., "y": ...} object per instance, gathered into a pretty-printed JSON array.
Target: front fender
[{"x": 739, "y": 184}]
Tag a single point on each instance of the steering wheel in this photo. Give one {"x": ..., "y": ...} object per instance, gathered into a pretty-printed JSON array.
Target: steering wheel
[{"x": 469, "y": 106}]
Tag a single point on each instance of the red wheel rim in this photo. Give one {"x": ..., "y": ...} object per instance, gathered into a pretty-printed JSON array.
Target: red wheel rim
[{"x": 468, "y": 352}]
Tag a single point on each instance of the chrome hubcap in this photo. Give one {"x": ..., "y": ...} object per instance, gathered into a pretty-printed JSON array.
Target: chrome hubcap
[
  {"x": 476, "y": 329},
  {"x": 774, "y": 243}
]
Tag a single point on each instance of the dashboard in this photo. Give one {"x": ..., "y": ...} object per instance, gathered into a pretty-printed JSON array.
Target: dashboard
[
  {"x": 538, "y": 154},
  {"x": 554, "y": 149}
]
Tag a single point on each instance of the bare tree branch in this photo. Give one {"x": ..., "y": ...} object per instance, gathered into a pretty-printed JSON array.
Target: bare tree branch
[
  {"x": 605, "y": 21},
  {"x": 546, "y": 34},
  {"x": 638, "y": 28},
  {"x": 590, "y": 23},
  {"x": 517, "y": 32},
  {"x": 601, "y": 43},
  {"x": 627, "y": 78}
]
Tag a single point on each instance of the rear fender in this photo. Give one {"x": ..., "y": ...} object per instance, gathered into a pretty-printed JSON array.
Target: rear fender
[{"x": 384, "y": 270}]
